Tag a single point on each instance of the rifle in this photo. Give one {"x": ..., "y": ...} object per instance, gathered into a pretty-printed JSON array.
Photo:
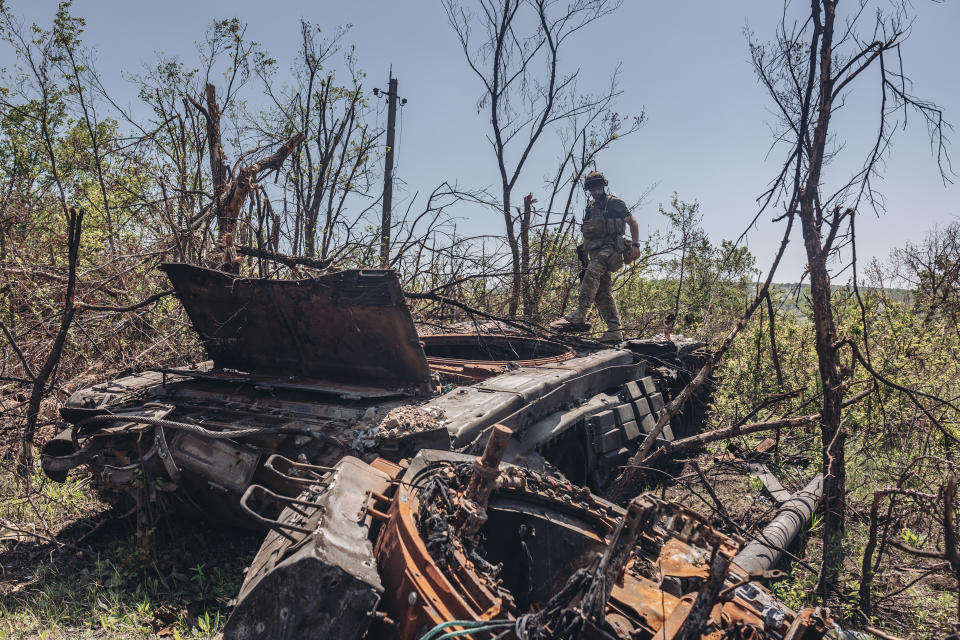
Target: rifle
[{"x": 582, "y": 256}]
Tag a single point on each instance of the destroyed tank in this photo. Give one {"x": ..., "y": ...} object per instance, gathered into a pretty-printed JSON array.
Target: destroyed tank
[
  {"x": 324, "y": 418},
  {"x": 304, "y": 372}
]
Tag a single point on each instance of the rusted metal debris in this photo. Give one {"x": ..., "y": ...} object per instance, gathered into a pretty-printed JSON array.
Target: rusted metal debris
[
  {"x": 325, "y": 420},
  {"x": 550, "y": 560},
  {"x": 474, "y": 357},
  {"x": 472, "y": 507}
]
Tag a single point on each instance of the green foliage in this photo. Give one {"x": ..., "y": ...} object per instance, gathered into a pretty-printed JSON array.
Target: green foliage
[
  {"x": 108, "y": 588},
  {"x": 685, "y": 273}
]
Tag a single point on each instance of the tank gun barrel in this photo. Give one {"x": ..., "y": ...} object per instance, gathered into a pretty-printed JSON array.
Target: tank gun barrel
[{"x": 762, "y": 554}]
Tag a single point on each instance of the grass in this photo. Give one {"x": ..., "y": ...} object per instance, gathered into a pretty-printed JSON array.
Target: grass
[{"x": 68, "y": 583}]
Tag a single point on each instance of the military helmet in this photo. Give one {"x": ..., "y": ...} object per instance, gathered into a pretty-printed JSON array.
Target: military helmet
[{"x": 594, "y": 180}]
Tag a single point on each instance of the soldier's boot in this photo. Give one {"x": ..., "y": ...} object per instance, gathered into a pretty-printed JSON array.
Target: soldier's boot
[
  {"x": 613, "y": 333},
  {"x": 574, "y": 321}
]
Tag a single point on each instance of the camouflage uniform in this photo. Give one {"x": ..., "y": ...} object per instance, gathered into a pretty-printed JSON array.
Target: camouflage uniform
[{"x": 603, "y": 227}]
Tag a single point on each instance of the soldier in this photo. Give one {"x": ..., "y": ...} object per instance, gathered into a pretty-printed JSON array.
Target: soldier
[{"x": 604, "y": 223}]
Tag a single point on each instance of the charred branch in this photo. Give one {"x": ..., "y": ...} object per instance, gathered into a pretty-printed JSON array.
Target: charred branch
[{"x": 74, "y": 228}]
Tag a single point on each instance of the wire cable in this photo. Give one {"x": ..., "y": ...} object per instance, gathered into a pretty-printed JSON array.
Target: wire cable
[{"x": 469, "y": 627}]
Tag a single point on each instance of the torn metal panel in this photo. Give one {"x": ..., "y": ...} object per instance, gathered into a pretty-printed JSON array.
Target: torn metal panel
[
  {"x": 352, "y": 326},
  {"x": 770, "y": 482},
  {"x": 318, "y": 580}
]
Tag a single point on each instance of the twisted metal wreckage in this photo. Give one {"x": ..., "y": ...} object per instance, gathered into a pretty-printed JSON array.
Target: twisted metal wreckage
[{"x": 325, "y": 419}]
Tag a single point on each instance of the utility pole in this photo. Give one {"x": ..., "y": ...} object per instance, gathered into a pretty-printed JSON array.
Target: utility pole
[{"x": 386, "y": 221}]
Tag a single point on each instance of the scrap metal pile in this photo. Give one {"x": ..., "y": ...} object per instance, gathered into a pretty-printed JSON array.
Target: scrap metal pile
[
  {"x": 455, "y": 546},
  {"x": 327, "y": 420}
]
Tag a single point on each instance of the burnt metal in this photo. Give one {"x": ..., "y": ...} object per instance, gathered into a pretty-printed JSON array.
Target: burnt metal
[
  {"x": 673, "y": 364},
  {"x": 520, "y": 397},
  {"x": 304, "y": 371},
  {"x": 700, "y": 610},
  {"x": 537, "y": 563},
  {"x": 472, "y": 512},
  {"x": 289, "y": 477},
  {"x": 310, "y": 369},
  {"x": 256, "y": 491},
  {"x": 637, "y": 519},
  {"x": 396, "y": 448},
  {"x": 351, "y": 326},
  {"x": 317, "y": 579},
  {"x": 478, "y": 356},
  {"x": 226, "y": 464}
]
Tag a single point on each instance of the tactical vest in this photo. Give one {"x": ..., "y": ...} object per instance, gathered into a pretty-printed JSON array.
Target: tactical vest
[{"x": 601, "y": 229}]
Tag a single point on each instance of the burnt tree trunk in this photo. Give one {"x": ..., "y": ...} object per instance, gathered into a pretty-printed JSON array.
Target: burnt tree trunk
[
  {"x": 812, "y": 223},
  {"x": 239, "y": 190},
  {"x": 218, "y": 159},
  {"x": 229, "y": 197},
  {"x": 514, "y": 303},
  {"x": 529, "y": 301}
]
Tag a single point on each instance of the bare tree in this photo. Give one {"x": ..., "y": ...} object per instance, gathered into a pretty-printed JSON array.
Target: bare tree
[
  {"x": 334, "y": 169},
  {"x": 809, "y": 70},
  {"x": 516, "y": 57},
  {"x": 932, "y": 269}
]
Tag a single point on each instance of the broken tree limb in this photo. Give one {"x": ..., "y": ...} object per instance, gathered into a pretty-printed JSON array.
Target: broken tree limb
[
  {"x": 290, "y": 261},
  {"x": 722, "y": 510},
  {"x": 868, "y": 568},
  {"x": 470, "y": 310},
  {"x": 879, "y": 633},
  {"x": 229, "y": 197},
  {"x": 743, "y": 429},
  {"x": 236, "y": 194},
  {"x": 33, "y": 272},
  {"x": 16, "y": 350},
  {"x": 774, "y": 354},
  {"x": 218, "y": 159},
  {"x": 137, "y": 305},
  {"x": 769, "y": 400}
]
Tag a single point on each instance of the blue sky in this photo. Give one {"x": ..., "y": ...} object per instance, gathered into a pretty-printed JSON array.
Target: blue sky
[{"x": 685, "y": 63}]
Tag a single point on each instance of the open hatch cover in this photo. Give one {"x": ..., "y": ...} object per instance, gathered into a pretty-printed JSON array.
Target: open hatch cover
[{"x": 352, "y": 326}]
